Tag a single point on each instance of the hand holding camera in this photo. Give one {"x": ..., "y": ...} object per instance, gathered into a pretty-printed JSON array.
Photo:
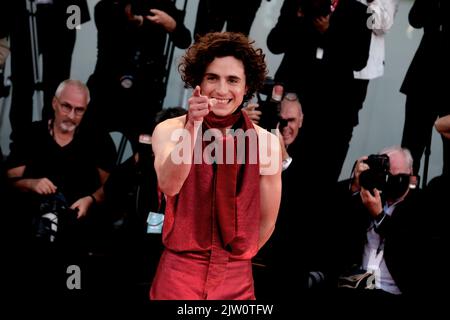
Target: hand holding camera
[
  {"x": 372, "y": 201},
  {"x": 252, "y": 112},
  {"x": 371, "y": 172},
  {"x": 82, "y": 206},
  {"x": 54, "y": 215},
  {"x": 160, "y": 17},
  {"x": 42, "y": 186}
]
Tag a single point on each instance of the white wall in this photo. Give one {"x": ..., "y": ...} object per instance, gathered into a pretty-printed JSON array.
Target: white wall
[{"x": 381, "y": 120}]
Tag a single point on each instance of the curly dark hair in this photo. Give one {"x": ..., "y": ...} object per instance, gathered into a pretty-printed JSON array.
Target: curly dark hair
[{"x": 223, "y": 44}]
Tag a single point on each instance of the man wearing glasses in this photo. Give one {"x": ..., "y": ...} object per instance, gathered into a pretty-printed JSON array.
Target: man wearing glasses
[
  {"x": 56, "y": 170},
  {"x": 59, "y": 158}
]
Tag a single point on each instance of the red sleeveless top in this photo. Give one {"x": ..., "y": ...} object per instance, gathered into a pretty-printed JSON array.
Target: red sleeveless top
[{"x": 217, "y": 201}]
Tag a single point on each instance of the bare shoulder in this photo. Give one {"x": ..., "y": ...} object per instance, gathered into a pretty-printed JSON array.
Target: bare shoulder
[
  {"x": 168, "y": 126},
  {"x": 164, "y": 131},
  {"x": 263, "y": 133}
]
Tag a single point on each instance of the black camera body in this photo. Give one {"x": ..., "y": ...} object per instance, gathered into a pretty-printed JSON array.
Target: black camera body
[
  {"x": 378, "y": 173},
  {"x": 282, "y": 123},
  {"x": 54, "y": 215},
  {"x": 314, "y": 9},
  {"x": 142, "y": 7},
  {"x": 131, "y": 69}
]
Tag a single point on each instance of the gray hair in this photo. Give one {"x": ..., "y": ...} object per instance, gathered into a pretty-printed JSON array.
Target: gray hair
[
  {"x": 291, "y": 96},
  {"x": 405, "y": 152},
  {"x": 76, "y": 83}
]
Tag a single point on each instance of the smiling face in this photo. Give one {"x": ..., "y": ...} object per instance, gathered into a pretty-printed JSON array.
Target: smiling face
[
  {"x": 291, "y": 112},
  {"x": 69, "y": 108},
  {"x": 224, "y": 80}
]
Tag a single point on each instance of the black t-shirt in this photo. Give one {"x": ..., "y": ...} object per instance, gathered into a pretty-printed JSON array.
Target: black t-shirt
[{"x": 72, "y": 168}]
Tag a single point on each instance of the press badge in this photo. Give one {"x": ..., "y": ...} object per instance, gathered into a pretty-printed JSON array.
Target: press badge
[
  {"x": 319, "y": 53},
  {"x": 155, "y": 222}
]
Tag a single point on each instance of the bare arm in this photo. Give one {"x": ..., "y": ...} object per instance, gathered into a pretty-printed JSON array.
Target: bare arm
[
  {"x": 270, "y": 183},
  {"x": 173, "y": 145},
  {"x": 41, "y": 186},
  {"x": 443, "y": 126},
  {"x": 83, "y": 204}
]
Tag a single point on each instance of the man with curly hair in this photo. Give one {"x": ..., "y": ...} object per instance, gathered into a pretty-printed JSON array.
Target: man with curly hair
[{"x": 220, "y": 174}]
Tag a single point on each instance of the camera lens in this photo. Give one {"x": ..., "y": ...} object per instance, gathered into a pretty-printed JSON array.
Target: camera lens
[
  {"x": 126, "y": 81},
  {"x": 282, "y": 124}
]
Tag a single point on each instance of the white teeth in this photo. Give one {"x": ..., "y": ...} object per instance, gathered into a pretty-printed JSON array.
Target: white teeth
[{"x": 214, "y": 101}]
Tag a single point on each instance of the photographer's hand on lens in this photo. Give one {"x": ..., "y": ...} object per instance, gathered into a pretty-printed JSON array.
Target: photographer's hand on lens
[
  {"x": 163, "y": 19},
  {"x": 360, "y": 166},
  {"x": 253, "y": 114},
  {"x": 42, "y": 186},
  {"x": 372, "y": 202},
  {"x": 199, "y": 107},
  {"x": 135, "y": 19},
  {"x": 82, "y": 205}
]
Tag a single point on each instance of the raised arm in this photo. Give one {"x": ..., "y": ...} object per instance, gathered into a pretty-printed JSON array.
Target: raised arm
[{"x": 173, "y": 143}]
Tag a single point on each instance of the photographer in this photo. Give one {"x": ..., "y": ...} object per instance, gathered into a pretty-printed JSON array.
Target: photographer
[
  {"x": 61, "y": 157},
  {"x": 129, "y": 81},
  {"x": 323, "y": 43},
  {"x": 426, "y": 94},
  {"x": 271, "y": 266},
  {"x": 212, "y": 15},
  {"x": 384, "y": 232}
]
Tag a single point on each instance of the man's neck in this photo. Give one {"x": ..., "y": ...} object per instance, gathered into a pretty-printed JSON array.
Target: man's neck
[
  {"x": 61, "y": 137},
  {"x": 395, "y": 201}
]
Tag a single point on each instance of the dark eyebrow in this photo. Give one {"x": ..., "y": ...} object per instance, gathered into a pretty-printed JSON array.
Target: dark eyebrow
[
  {"x": 234, "y": 78},
  {"x": 209, "y": 74}
]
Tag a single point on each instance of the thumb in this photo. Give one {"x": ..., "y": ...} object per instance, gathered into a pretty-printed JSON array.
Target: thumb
[
  {"x": 196, "y": 92},
  {"x": 376, "y": 193}
]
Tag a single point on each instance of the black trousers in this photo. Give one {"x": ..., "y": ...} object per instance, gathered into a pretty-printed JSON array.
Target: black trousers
[
  {"x": 420, "y": 114},
  {"x": 239, "y": 15}
]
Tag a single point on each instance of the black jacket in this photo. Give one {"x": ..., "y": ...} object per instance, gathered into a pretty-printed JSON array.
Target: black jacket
[
  {"x": 406, "y": 240},
  {"x": 430, "y": 63}
]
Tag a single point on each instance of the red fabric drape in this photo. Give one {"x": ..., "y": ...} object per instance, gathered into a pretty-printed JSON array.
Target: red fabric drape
[{"x": 215, "y": 217}]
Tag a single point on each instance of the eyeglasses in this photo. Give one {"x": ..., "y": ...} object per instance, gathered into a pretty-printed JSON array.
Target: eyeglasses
[{"x": 67, "y": 108}]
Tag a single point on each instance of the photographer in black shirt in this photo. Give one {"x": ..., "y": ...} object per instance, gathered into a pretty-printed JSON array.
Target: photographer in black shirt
[{"x": 129, "y": 82}]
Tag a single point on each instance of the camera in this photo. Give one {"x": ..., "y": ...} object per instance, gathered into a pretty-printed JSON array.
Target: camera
[
  {"x": 313, "y": 9},
  {"x": 282, "y": 123},
  {"x": 129, "y": 75},
  {"x": 378, "y": 173},
  {"x": 54, "y": 215},
  {"x": 142, "y": 7},
  {"x": 268, "y": 105},
  {"x": 140, "y": 68}
]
